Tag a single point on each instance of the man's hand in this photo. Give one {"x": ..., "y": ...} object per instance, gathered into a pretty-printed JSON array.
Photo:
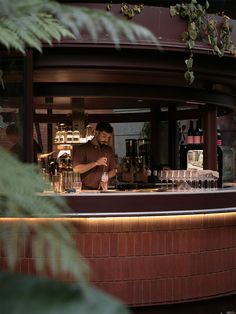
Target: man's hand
[{"x": 102, "y": 161}]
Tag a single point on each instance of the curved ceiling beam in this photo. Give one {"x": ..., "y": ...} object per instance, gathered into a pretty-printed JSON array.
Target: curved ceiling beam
[{"x": 159, "y": 93}]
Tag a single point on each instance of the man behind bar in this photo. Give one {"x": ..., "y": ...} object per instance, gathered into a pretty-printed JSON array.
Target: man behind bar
[{"x": 95, "y": 157}]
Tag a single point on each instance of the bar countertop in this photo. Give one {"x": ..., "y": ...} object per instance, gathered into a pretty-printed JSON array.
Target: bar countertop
[{"x": 152, "y": 203}]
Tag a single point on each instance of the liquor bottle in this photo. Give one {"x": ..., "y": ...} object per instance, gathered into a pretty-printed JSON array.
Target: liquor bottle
[
  {"x": 69, "y": 136},
  {"x": 197, "y": 134},
  {"x": 219, "y": 138},
  {"x": 57, "y": 136},
  {"x": 62, "y": 133},
  {"x": 190, "y": 133},
  {"x": 89, "y": 133},
  {"x": 76, "y": 135},
  {"x": 53, "y": 167}
]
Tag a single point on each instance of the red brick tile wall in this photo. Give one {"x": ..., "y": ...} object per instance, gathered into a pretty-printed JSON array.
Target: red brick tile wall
[{"x": 155, "y": 260}]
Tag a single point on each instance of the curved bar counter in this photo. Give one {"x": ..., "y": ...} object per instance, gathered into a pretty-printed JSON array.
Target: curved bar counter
[
  {"x": 135, "y": 203},
  {"x": 164, "y": 248},
  {"x": 154, "y": 248}
]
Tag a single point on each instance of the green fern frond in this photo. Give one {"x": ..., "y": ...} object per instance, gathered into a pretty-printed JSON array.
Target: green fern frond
[
  {"x": 19, "y": 187},
  {"x": 10, "y": 40},
  {"x": 35, "y": 21}
]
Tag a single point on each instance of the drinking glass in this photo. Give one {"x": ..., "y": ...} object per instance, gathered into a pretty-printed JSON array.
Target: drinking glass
[
  {"x": 161, "y": 176},
  {"x": 104, "y": 181},
  {"x": 77, "y": 184},
  {"x": 194, "y": 175},
  {"x": 56, "y": 183}
]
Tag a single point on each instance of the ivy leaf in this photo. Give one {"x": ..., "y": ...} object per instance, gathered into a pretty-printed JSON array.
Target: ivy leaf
[
  {"x": 218, "y": 51},
  {"x": 137, "y": 9},
  {"x": 190, "y": 44},
  {"x": 189, "y": 77},
  {"x": 193, "y": 34},
  {"x": 173, "y": 11},
  {"x": 185, "y": 36},
  {"x": 130, "y": 13},
  {"x": 189, "y": 63},
  {"x": 207, "y": 5},
  {"x": 109, "y": 7}
]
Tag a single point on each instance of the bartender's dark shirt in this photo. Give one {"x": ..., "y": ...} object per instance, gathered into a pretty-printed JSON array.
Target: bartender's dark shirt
[{"x": 90, "y": 152}]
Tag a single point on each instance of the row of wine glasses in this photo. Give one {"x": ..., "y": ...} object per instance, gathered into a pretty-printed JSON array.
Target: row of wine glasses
[{"x": 189, "y": 179}]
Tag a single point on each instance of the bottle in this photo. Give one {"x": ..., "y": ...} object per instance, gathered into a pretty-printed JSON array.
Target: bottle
[
  {"x": 190, "y": 133},
  {"x": 57, "y": 136},
  {"x": 69, "y": 136},
  {"x": 219, "y": 138},
  {"x": 104, "y": 181},
  {"x": 201, "y": 135},
  {"x": 149, "y": 175},
  {"x": 53, "y": 167},
  {"x": 89, "y": 133},
  {"x": 197, "y": 134},
  {"x": 76, "y": 135},
  {"x": 155, "y": 177},
  {"x": 62, "y": 133}
]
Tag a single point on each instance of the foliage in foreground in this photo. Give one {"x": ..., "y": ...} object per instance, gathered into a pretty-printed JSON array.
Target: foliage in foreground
[
  {"x": 28, "y": 23},
  {"x": 27, "y": 295},
  {"x": 19, "y": 185}
]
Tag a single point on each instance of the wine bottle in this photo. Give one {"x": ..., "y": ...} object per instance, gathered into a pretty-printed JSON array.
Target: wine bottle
[
  {"x": 201, "y": 135},
  {"x": 219, "y": 138},
  {"x": 197, "y": 134},
  {"x": 190, "y": 133}
]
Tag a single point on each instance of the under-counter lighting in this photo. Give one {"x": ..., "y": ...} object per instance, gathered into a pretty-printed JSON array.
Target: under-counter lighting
[{"x": 129, "y": 215}]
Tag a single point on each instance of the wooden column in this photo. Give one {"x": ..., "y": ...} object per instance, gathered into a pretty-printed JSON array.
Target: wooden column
[
  {"x": 210, "y": 137},
  {"x": 78, "y": 116},
  {"x": 155, "y": 137},
  {"x": 26, "y": 110},
  {"x": 49, "y": 102},
  {"x": 172, "y": 144}
]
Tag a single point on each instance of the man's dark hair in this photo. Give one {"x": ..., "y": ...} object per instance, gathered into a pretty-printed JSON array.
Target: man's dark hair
[
  {"x": 104, "y": 126},
  {"x": 12, "y": 129}
]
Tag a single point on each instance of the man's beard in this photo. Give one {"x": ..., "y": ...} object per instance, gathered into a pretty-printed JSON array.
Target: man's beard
[{"x": 102, "y": 145}]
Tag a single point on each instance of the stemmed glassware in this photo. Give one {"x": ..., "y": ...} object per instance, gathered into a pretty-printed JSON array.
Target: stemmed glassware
[{"x": 192, "y": 179}]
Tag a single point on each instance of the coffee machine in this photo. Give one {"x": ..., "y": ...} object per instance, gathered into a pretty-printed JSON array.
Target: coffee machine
[{"x": 136, "y": 160}]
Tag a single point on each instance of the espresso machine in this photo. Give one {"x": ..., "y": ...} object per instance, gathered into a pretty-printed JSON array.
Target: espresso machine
[{"x": 136, "y": 160}]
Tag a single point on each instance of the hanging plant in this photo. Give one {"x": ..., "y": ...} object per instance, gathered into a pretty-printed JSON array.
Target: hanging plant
[
  {"x": 127, "y": 10},
  {"x": 219, "y": 37},
  {"x": 201, "y": 27},
  {"x": 194, "y": 13},
  {"x": 189, "y": 75}
]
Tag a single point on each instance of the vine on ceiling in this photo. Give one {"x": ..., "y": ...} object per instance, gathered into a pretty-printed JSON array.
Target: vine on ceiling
[
  {"x": 201, "y": 26},
  {"x": 127, "y": 10}
]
